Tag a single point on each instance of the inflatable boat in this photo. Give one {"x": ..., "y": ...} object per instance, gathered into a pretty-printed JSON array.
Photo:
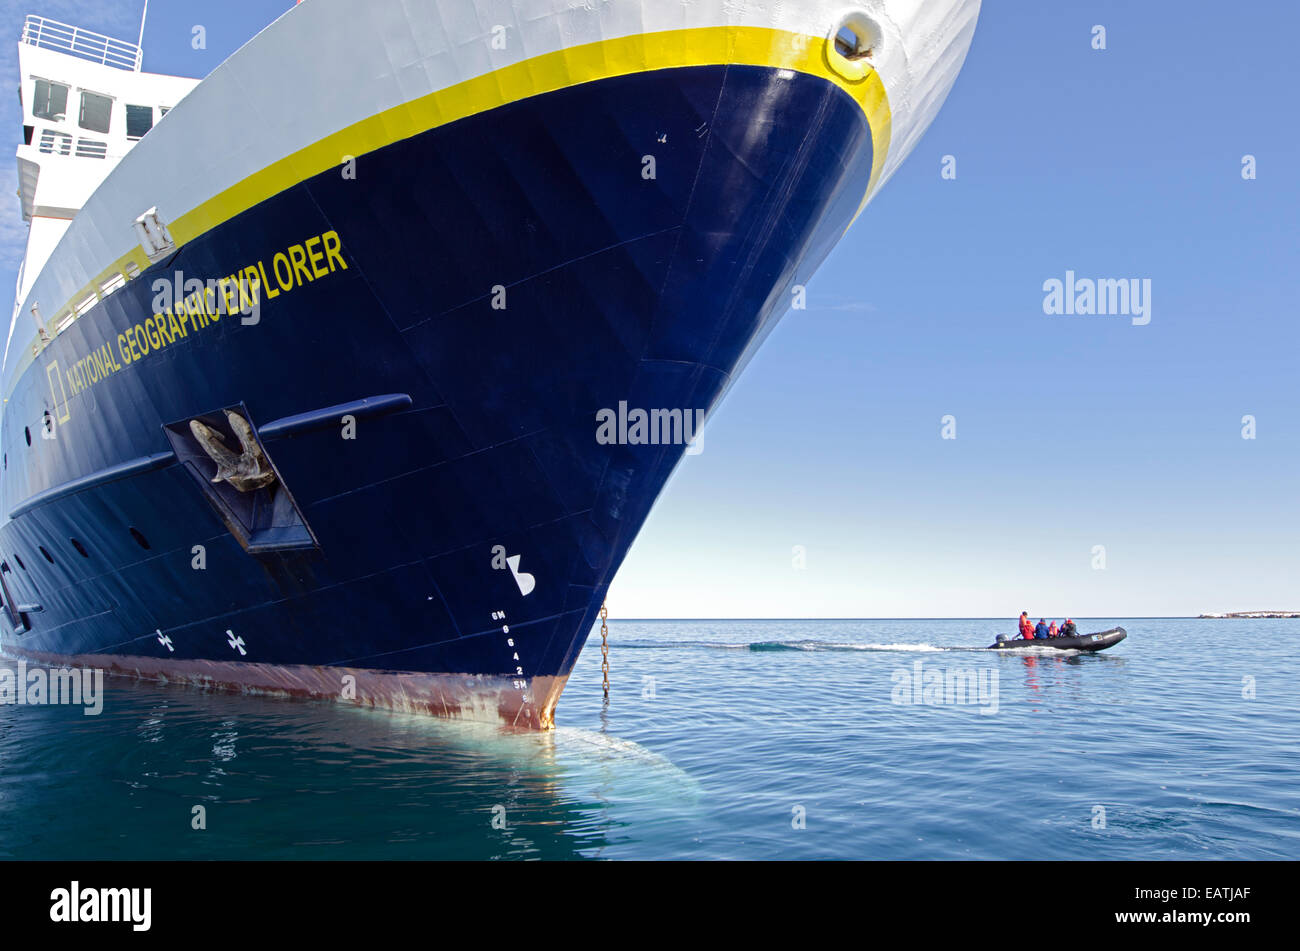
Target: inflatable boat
[{"x": 1080, "y": 642}]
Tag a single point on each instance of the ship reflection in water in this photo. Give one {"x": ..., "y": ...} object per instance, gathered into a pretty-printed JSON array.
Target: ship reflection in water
[{"x": 280, "y": 779}]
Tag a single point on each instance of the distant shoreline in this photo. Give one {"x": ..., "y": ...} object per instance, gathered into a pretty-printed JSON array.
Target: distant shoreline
[{"x": 1252, "y": 614}]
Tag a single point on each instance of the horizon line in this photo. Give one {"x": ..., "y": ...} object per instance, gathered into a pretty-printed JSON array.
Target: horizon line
[{"x": 1013, "y": 618}]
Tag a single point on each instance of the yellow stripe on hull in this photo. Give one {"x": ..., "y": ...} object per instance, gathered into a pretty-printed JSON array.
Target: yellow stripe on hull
[{"x": 646, "y": 52}]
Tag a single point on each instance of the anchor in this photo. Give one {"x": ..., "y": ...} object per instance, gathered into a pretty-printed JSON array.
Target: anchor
[{"x": 247, "y": 471}]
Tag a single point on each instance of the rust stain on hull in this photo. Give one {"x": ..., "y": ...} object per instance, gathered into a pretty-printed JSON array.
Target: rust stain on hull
[{"x": 478, "y": 697}]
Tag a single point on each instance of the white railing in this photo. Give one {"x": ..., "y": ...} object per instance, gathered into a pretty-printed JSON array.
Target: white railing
[{"x": 96, "y": 47}]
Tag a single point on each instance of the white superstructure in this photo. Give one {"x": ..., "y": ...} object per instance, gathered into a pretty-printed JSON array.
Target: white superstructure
[{"x": 85, "y": 106}]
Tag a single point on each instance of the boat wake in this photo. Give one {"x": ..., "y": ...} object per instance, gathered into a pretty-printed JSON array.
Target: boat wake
[
  {"x": 805, "y": 646},
  {"x": 831, "y": 646}
]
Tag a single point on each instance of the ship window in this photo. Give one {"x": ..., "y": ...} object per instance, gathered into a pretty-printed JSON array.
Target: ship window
[
  {"x": 163, "y": 110},
  {"x": 28, "y": 433},
  {"x": 132, "y": 269},
  {"x": 139, "y": 120},
  {"x": 95, "y": 111},
  {"x": 92, "y": 148},
  {"x": 51, "y": 101},
  {"x": 112, "y": 284},
  {"x": 20, "y": 562},
  {"x": 53, "y": 142},
  {"x": 139, "y": 539},
  {"x": 48, "y": 556},
  {"x": 81, "y": 549}
]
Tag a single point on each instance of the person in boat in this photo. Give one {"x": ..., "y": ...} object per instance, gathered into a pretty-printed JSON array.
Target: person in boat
[
  {"x": 1069, "y": 629},
  {"x": 1052, "y": 630},
  {"x": 1040, "y": 632},
  {"x": 1026, "y": 627}
]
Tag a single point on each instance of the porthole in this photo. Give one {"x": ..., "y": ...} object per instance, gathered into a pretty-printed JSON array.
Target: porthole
[
  {"x": 139, "y": 538},
  {"x": 81, "y": 549},
  {"x": 48, "y": 556},
  {"x": 858, "y": 37},
  {"x": 853, "y": 45},
  {"x": 28, "y": 433}
]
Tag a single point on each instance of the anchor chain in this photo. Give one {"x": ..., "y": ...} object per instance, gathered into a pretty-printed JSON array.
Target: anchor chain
[{"x": 604, "y": 649}]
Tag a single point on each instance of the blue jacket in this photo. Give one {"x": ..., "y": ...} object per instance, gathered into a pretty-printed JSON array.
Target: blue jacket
[{"x": 1040, "y": 630}]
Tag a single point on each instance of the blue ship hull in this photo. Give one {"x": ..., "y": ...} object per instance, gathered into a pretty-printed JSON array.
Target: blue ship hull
[{"x": 427, "y": 395}]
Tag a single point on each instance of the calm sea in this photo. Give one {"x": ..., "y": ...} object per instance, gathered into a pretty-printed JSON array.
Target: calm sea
[{"x": 721, "y": 740}]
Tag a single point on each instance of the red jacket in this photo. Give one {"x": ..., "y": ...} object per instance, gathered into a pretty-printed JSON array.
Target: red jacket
[{"x": 1026, "y": 628}]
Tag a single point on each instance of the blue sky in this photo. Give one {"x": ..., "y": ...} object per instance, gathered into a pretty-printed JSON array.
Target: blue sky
[{"x": 1072, "y": 432}]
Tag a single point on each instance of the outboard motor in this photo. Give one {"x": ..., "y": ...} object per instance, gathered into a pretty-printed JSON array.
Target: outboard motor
[{"x": 1002, "y": 638}]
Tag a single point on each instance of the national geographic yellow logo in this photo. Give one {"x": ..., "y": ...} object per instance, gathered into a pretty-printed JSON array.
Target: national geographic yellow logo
[
  {"x": 58, "y": 395},
  {"x": 178, "y": 312}
]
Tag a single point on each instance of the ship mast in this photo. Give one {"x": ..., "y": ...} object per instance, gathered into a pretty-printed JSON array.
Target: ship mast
[{"x": 140, "y": 43}]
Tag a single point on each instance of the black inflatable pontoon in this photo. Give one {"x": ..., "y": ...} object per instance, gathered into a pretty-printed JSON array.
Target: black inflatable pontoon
[{"x": 1080, "y": 642}]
